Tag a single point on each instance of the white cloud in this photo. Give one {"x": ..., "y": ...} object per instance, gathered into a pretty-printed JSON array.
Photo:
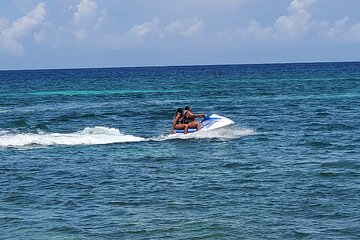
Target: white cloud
[
  {"x": 343, "y": 31},
  {"x": 300, "y": 6},
  {"x": 150, "y": 33},
  {"x": 84, "y": 10},
  {"x": 142, "y": 29},
  {"x": 39, "y": 36},
  {"x": 87, "y": 20},
  {"x": 194, "y": 28},
  {"x": 255, "y": 29},
  {"x": 80, "y": 35},
  {"x": 293, "y": 26},
  {"x": 174, "y": 27},
  {"x": 91, "y": 24},
  {"x": 354, "y": 32},
  {"x": 9, "y": 35},
  {"x": 186, "y": 28},
  {"x": 100, "y": 20},
  {"x": 298, "y": 24},
  {"x": 338, "y": 29},
  {"x": 135, "y": 36}
]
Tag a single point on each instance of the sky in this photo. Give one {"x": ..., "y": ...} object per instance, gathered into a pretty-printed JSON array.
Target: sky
[{"x": 115, "y": 33}]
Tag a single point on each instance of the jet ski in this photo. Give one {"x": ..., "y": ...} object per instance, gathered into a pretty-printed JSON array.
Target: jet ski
[{"x": 211, "y": 122}]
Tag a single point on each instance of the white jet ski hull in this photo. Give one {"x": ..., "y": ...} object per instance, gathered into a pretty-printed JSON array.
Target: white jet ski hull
[{"x": 211, "y": 122}]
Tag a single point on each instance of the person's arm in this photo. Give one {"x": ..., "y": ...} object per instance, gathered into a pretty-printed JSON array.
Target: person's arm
[
  {"x": 175, "y": 121},
  {"x": 192, "y": 115}
]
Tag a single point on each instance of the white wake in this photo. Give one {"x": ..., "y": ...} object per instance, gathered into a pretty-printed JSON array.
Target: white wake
[
  {"x": 88, "y": 136},
  {"x": 229, "y": 133},
  {"x": 105, "y": 135}
]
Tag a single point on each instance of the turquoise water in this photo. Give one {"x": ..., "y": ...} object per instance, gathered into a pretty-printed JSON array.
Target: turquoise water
[{"x": 86, "y": 153}]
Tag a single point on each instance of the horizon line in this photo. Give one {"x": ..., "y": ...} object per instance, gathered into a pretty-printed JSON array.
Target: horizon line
[{"x": 180, "y": 65}]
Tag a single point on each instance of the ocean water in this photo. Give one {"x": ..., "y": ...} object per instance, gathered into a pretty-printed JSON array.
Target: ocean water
[{"x": 86, "y": 153}]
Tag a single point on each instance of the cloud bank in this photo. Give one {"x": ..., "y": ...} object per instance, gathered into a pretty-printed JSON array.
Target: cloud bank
[
  {"x": 203, "y": 26},
  {"x": 84, "y": 11},
  {"x": 10, "y": 34},
  {"x": 299, "y": 24}
]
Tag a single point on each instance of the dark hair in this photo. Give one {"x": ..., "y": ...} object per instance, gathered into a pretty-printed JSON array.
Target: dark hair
[
  {"x": 187, "y": 107},
  {"x": 179, "y": 110}
]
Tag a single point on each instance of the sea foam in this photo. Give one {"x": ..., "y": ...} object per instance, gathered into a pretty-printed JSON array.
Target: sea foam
[
  {"x": 88, "y": 136},
  {"x": 105, "y": 135},
  {"x": 230, "y": 133}
]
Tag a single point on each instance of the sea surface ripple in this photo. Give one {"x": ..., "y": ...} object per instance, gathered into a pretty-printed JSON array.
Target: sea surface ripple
[{"x": 86, "y": 153}]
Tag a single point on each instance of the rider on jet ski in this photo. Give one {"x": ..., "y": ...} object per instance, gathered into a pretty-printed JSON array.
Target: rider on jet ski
[
  {"x": 189, "y": 118},
  {"x": 183, "y": 121}
]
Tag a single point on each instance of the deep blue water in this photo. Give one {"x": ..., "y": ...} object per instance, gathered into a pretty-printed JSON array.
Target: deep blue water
[{"x": 86, "y": 153}]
